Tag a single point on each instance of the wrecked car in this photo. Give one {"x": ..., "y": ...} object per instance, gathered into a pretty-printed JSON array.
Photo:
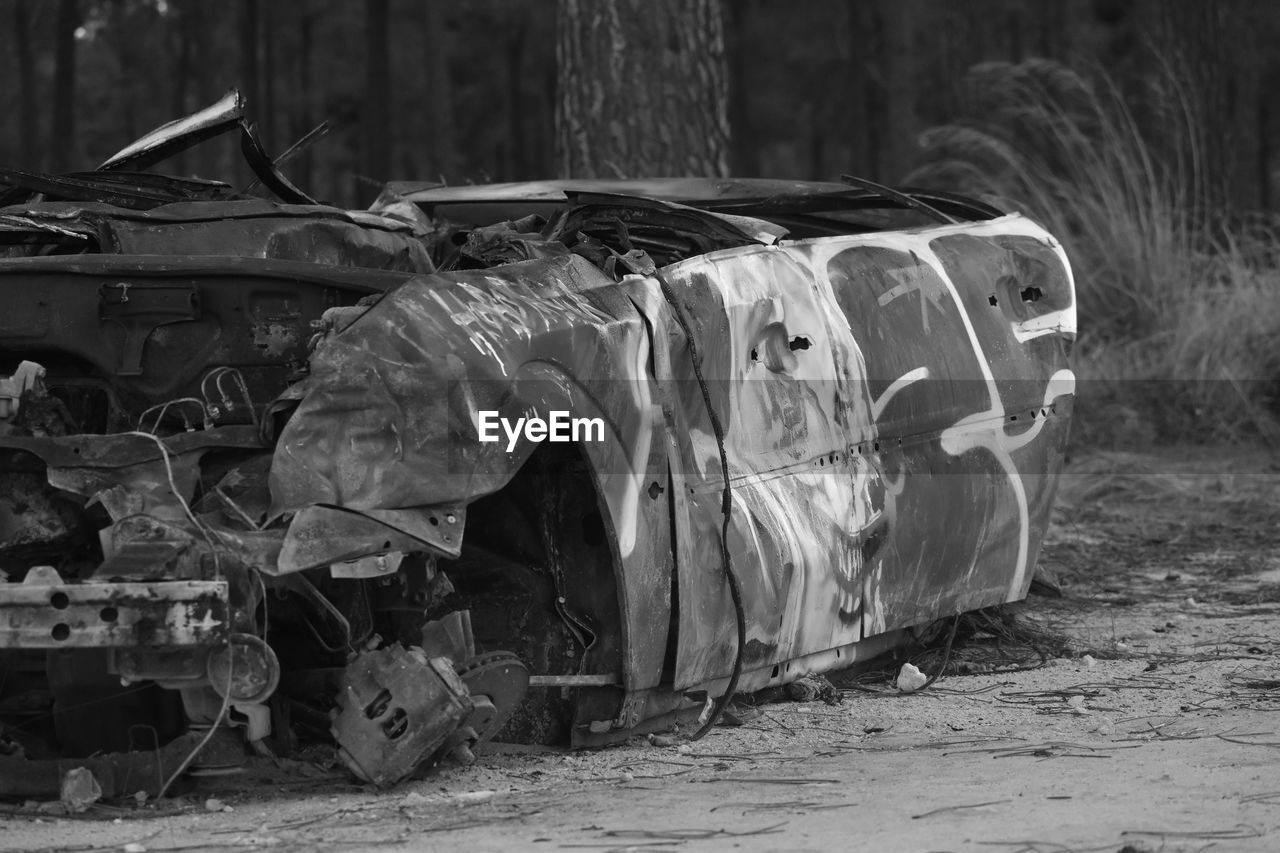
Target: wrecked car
[{"x": 556, "y": 462}]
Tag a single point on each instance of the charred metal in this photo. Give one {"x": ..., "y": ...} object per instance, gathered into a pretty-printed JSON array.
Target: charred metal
[{"x": 251, "y": 465}]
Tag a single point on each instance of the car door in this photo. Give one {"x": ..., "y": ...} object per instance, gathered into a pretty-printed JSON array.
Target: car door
[
  {"x": 963, "y": 333},
  {"x": 785, "y": 381}
]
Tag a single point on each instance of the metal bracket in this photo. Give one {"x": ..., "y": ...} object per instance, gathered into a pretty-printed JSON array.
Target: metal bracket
[{"x": 44, "y": 612}]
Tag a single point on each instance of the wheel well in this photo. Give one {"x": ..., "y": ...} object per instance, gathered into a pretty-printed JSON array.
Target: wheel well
[{"x": 537, "y": 572}]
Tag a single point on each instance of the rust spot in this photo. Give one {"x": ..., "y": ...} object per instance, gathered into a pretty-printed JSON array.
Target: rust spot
[{"x": 275, "y": 338}]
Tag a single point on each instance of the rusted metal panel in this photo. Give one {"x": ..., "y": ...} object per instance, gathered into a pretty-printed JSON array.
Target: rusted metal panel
[
  {"x": 527, "y": 337},
  {"x": 880, "y": 476},
  {"x": 321, "y": 536},
  {"x": 51, "y": 615},
  {"x": 180, "y": 134},
  {"x": 168, "y": 294},
  {"x": 243, "y": 228}
]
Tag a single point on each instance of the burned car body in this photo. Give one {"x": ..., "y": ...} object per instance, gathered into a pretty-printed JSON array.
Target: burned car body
[{"x": 250, "y": 456}]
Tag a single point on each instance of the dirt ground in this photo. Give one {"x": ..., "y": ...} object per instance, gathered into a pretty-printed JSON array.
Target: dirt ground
[{"x": 1151, "y": 724}]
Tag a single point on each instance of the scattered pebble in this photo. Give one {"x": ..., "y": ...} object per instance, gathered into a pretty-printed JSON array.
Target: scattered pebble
[
  {"x": 80, "y": 789},
  {"x": 910, "y": 678}
]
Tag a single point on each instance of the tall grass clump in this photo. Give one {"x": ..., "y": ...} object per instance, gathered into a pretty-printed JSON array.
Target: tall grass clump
[{"x": 1179, "y": 309}]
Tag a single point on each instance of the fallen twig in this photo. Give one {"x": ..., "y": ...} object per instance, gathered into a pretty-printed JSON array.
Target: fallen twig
[{"x": 958, "y": 808}]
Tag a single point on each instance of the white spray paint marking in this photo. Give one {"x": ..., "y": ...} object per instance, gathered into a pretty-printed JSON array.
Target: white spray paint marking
[
  {"x": 974, "y": 431},
  {"x": 628, "y": 500},
  {"x": 960, "y": 437},
  {"x": 1012, "y": 225},
  {"x": 911, "y": 280},
  {"x": 1061, "y": 384},
  {"x": 909, "y": 378}
]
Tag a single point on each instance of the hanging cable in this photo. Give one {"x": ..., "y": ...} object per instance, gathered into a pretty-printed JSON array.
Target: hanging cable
[{"x": 726, "y": 508}]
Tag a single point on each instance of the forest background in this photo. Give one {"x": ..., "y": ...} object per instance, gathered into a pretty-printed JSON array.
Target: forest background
[{"x": 1141, "y": 132}]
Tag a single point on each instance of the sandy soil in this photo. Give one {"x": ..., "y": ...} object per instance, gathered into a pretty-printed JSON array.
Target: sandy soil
[{"x": 1152, "y": 727}]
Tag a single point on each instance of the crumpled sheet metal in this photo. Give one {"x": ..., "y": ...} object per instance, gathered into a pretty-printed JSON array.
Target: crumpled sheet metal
[
  {"x": 253, "y": 228},
  {"x": 320, "y": 536},
  {"x": 219, "y": 116},
  {"x": 868, "y": 385},
  {"x": 387, "y": 416}
]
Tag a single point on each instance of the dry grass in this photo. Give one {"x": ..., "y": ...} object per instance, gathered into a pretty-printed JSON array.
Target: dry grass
[{"x": 1179, "y": 310}]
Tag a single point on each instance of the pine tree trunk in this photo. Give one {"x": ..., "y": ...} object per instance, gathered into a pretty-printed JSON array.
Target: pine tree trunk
[
  {"x": 62, "y": 143},
  {"x": 439, "y": 111},
  {"x": 268, "y": 87},
  {"x": 898, "y": 65},
  {"x": 28, "y": 130},
  {"x": 249, "y": 80},
  {"x": 377, "y": 93},
  {"x": 180, "y": 63},
  {"x": 642, "y": 88},
  {"x": 205, "y": 63},
  {"x": 517, "y": 159},
  {"x": 746, "y": 151},
  {"x": 304, "y": 116},
  {"x": 864, "y": 97}
]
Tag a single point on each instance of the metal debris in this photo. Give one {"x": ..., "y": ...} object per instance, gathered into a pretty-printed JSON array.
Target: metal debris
[{"x": 396, "y": 708}]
